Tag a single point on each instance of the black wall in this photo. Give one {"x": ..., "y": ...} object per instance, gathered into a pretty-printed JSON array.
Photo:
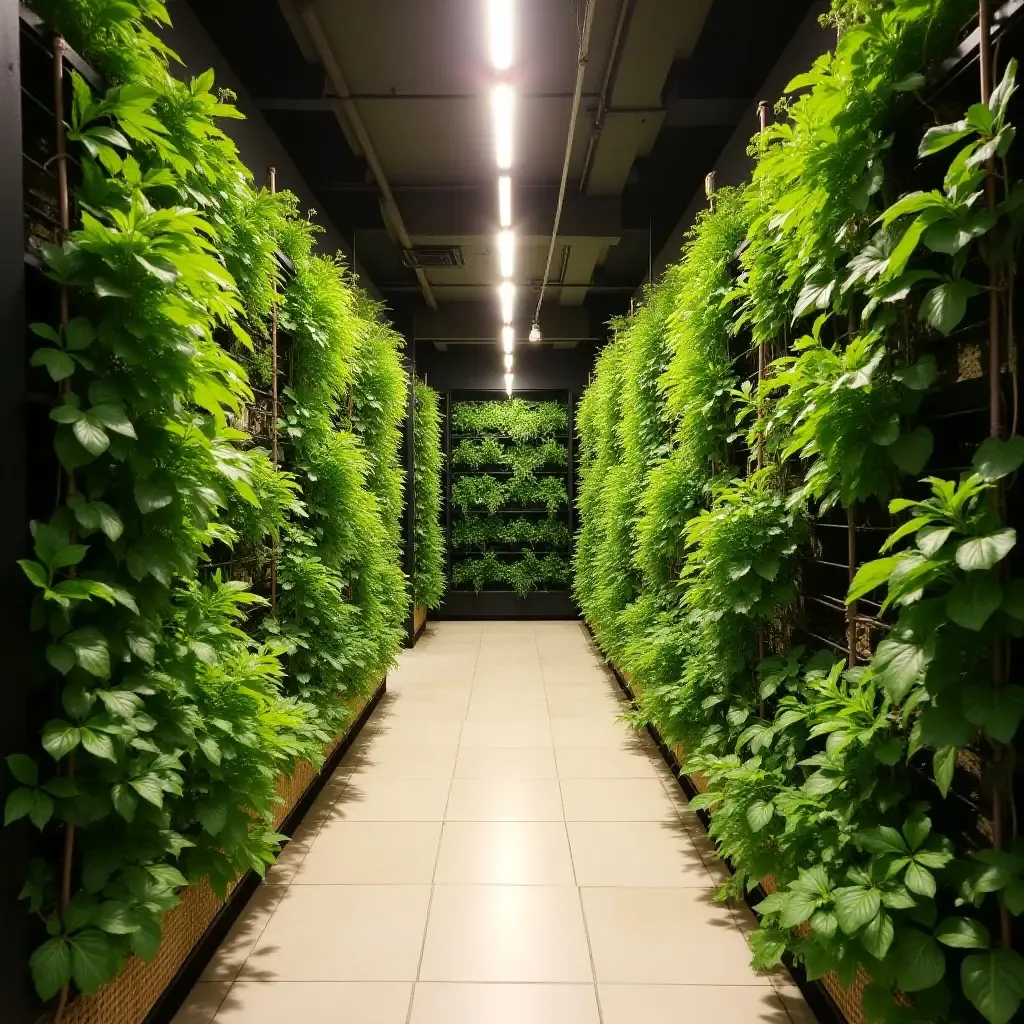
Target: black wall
[{"x": 480, "y": 368}]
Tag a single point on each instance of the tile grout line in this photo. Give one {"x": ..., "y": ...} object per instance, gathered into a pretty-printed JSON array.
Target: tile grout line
[
  {"x": 572, "y": 861},
  {"x": 437, "y": 855}
]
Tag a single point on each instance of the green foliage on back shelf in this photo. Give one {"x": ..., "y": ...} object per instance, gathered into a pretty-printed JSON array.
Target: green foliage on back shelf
[
  {"x": 514, "y": 417},
  {"x": 172, "y": 722},
  {"x": 526, "y": 482},
  {"x": 832, "y": 780},
  {"x": 428, "y": 571}
]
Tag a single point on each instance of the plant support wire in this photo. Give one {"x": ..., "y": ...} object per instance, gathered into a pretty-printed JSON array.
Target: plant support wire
[{"x": 581, "y": 70}]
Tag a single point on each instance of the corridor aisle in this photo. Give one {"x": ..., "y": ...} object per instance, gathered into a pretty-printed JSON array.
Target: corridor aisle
[{"x": 496, "y": 849}]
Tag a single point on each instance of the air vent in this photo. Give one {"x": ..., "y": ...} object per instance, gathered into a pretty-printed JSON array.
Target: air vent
[{"x": 428, "y": 257}]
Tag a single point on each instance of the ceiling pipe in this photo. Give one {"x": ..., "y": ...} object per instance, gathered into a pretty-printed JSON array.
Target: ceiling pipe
[
  {"x": 610, "y": 71},
  {"x": 581, "y": 70},
  {"x": 351, "y": 111}
]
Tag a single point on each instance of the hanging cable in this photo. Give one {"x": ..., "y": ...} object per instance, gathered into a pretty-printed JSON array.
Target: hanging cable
[{"x": 581, "y": 69}]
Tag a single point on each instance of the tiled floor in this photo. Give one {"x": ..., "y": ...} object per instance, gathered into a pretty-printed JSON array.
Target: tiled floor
[{"x": 496, "y": 848}]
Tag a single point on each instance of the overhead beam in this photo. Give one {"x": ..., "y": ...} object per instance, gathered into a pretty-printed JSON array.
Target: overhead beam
[
  {"x": 475, "y": 322},
  {"x": 348, "y": 111}
]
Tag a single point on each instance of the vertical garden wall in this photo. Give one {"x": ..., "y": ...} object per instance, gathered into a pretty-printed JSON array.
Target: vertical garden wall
[
  {"x": 218, "y": 589},
  {"x": 510, "y": 474},
  {"x": 798, "y": 503},
  {"x": 428, "y": 581}
]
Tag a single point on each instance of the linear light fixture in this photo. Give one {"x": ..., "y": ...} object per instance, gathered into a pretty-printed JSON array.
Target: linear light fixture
[
  {"x": 508, "y": 339},
  {"x": 503, "y": 103},
  {"x": 505, "y": 201},
  {"x": 508, "y": 361},
  {"x": 501, "y": 29},
  {"x": 507, "y": 297},
  {"x": 508, "y": 384},
  {"x": 507, "y": 253}
]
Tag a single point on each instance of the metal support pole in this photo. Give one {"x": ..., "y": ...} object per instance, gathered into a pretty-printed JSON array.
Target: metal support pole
[{"x": 272, "y": 186}]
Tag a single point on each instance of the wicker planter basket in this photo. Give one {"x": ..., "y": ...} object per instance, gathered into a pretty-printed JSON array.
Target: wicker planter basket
[
  {"x": 419, "y": 619},
  {"x": 130, "y": 997}
]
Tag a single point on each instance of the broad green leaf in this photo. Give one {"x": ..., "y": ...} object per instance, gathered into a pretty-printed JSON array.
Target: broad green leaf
[
  {"x": 943, "y": 136},
  {"x": 945, "y": 306},
  {"x": 36, "y": 573},
  {"x": 146, "y": 941},
  {"x": 898, "y": 665},
  {"x": 878, "y": 934},
  {"x": 977, "y": 553},
  {"x": 882, "y": 839},
  {"x": 93, "y": 961},
  {"x": 759, "y": 813},
  {"x": 99, "y": 744},
  {"x": 798, "y": 907},
  {"x": 90, "y": 647},
  {"x": 91, "y": 436},
  {"x": 872, "y": 575},
  {"x": 918, "y": 960},
  {"x": 996, "y": 458},
  {"x": 963, "y": 933},
  {"x": 994, "y": 983},
  {"x": 931, "y": 538},
  {"x": 18, "y": 804},
  {"x": 213, "y": 817},
  {"x": 24, "y": 769},
  {"x": 919, "y": 880},
  {"x": 149, "y": 788},
  {"x": 151, "y": 495},
  {"x": 59, "y": 365},
  {"x": 125, "y": 801},
  {"x": 912, "y": 450},
  {"x": 51, "y": 967},
  {"x": 855, "y": 907},
  {"x": 998, "y": 710},
  {"x": 115, "y": 918},
  {"x": 60, "y": 738},
  {"x": 972, "y": 603},
  {"x": 918, "y": 376},
  {"x": 943, "y": 764}
]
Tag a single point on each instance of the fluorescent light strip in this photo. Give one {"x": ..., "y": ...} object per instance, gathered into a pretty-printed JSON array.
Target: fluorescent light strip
[
  {"x": 505, "y": 201},
  {"x": 508, "y": 384},
  {"x": 503, "y": 103},
  {"x": 507, "y": 253},
  {"x": 508, "y": 339},
  {"x": 501, "y": 30},
  {"x": 508, "y": 361},
  {"x": 507, "y": 297}
]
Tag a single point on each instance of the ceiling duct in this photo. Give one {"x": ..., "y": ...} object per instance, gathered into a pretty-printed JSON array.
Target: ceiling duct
[{"x": 433, "y": 257}]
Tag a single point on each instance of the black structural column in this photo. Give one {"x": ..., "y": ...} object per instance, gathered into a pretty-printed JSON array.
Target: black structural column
[
  {"x": 409, "y": 530},
  {"x": 19, "y": 1006}
]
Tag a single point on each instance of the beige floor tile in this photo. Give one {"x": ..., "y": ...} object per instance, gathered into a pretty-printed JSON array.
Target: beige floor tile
[
  {"x": 665, "y": 936},
  {"x": 408, "y": 761},
  {"x": 582, "y": 701},
  {"x": 616, "y": 800},
  {"x": 593, "y": 731},
  {"x": 504, "y": 853},
  {"x": 502, "y": 706},
  {"x": 386, "y": 746},
  {"x": 342, "y": 933},
  {"x": 293, "y": 853},
  {"x": 633, "y": 853},
  {"x": 506, "y": 732},
  {"x": 375, "y": 798},
  {"x": 505, "y": 763},
  {"x": 708, "y": 852},
  {"x": 507, "y": 933},
  {"x": 603, "y": 763},
  {"x": 571, "y": 673},
  {"x": 245, "y": 932},
  {"x": 793, "y": 1001},
  {"x": 201, "y": 1005},
  {"x": 404, "y": 730},
  {"x": 688, "y": 1004},
  {"x": 316, "y": 1002},
  {"x": 426, "y": 707},
  {"x": 504, "y": 800},
  {"x": 372, "y": 853},
  {"x": 438, "y": 1003}
]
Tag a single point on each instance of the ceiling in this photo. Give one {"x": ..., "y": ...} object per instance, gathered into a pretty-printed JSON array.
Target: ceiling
[{"x": 385, "y": 108}]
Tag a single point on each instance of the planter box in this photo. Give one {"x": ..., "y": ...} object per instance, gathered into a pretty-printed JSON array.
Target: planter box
[
  {"x": 419, "y": 620},
  {"x": 133, "y": 996}
]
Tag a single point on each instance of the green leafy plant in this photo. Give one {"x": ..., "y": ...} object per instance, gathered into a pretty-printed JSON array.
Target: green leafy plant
[
  {"x": 516, "y": 418},
  {"x": 428, "y": 570}
]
